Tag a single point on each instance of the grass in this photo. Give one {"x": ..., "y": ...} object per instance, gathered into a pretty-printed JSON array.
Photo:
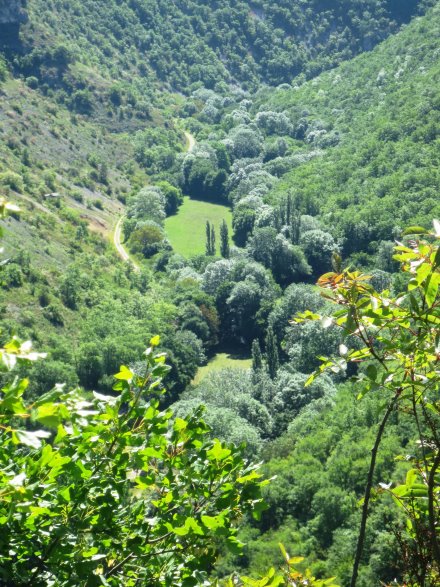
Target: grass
[
  {"x": 222, "y": 361},
  {"x": 186, "y": 230}
]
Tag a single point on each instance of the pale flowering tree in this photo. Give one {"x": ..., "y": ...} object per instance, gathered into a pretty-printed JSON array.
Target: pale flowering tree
[
  {"x": 215, "y": 274},
  {"x": 274, "y": 123}
]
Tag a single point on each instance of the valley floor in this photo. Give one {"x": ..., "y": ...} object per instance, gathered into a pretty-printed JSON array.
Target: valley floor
[{"x": 186, "y": 230}]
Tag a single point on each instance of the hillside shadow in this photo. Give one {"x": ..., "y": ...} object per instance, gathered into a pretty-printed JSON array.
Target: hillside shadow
[{"x": 233, "y": 352}]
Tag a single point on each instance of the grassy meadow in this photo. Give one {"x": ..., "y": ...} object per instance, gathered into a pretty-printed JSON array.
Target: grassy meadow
[
  {"x": 186, "y": 230},
  {"x": 222, "y": 361}
]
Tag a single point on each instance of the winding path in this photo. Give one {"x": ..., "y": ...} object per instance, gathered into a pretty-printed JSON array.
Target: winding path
[
  {"x": 122, "y": 252},
  {"x": 120, "y": 247},
  {"x": 190, "y": 141}
]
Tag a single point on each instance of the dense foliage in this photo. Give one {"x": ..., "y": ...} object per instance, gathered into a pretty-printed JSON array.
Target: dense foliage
[
  {"x": 187, "y": 43},
  {"x": 317, "y": 176},
  {"x": 110, "y": 490}
]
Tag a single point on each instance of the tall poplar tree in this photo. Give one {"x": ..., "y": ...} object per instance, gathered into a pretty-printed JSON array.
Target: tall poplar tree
[
  {"x": 224, "y": 240},
  {"x": 212, "y": 241},
  {"x": 257, "y": 358},
  {"x": 208, "y": 239},
  {"x": 272, "y": 358}
]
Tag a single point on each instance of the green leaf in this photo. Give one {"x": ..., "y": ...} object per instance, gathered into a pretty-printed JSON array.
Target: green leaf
[
  {"x": 31, "y": 439},
  {"x": 311, "y": 378},
  {"x": 218, "y": 452},
  {"x": 251, "y": 477},
  {"x": 151, "y": 452},
  {"x": 47, "y": 414},
  {"x": 411, "y": 477},
  {"x": 65, "y": 494},
  {"x": 372, "y": 372},
  {"x": 48, "y": 397},
  {"x": 284, "y": 552},
  {"x": 350, "y": 325},
  {"x": 432, "y": 289},
  {"x": 61, "y": 433},
  {"x": 213, "y": 522},
  {"x": 436, "y": 261},
  {"x": 422, "y": 272},
  {"x": 180, "y": 425},
  {"x": 415, "y": 230},
  {"x": 234, "y": 545},
  {"x": 90, "y": 552},
  {"x": 191, "y": 525},
  {"x": 258, "y": 509},
  {"x": 12, "y": 400},
  {"x": 124, "y": 374}
]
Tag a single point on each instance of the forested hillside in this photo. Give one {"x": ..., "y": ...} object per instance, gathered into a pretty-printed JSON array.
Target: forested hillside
[
  {"x": 382, "y": 111},
  {"x": 186, "y": 43},
  {"x": 190, "y": 169}
]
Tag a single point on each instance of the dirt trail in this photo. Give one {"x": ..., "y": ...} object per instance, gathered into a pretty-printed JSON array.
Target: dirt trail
[
  {"x": 191, "y": 143},
  {"x": 120, "y": 247}
]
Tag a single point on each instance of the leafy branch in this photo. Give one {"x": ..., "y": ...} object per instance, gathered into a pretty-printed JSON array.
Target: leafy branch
[{"x": 399, "y": 357}]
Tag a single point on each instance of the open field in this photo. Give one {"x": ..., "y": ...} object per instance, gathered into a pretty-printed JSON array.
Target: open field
[
  {"x": 222, "y": 361},
  {"x": 186, "y": 230}
]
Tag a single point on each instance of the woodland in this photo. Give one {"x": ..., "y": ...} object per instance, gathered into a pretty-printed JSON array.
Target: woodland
[{"x": 219, "y": 293}]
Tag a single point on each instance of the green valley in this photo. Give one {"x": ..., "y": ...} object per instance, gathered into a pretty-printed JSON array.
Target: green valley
[
  {"x": 220, "y": 233},
  {"x": 186, "y": 230},
  {"x": 222, "y": 361}
]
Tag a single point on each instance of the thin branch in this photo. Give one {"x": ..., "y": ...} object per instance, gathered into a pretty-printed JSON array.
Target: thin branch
[
  {"x": 419, "y": 430},
  {"x": 432, "y": 516},
  {"x": 116, "y": 568},
  {"x": 367, "y": 341},
  {"x": 362, "y": 530}
]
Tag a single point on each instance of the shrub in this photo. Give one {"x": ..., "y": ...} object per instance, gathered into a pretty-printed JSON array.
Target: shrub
[
  {"x": 12, "y": 275},
  {"x": 54, "y": 313},
  {"x": 12, "y": 180},
  {"x": 146, "y": 239},
  {"x": 32, "y": 82}
]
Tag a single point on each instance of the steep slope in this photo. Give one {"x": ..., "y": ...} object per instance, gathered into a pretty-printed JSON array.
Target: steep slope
[
  {"x": 64, "y": 286},
  {"x": 83, "y": 127},
  {"x": 196, "y": 42},
  {"x": 12, "y": 16},
  {"x": 376, "y": 123}
]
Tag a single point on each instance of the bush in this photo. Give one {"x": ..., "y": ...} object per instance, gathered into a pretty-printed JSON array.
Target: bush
[
  {"x": 12, "y": 275},
  {"x": 12, "y": 180},
  {"x": 32, "y": 82},
  {"x": 3, "y": 70},
  {"x": 82, "y": 101},
  {"x": 146, "y": 239},
  {"x": 49, "y": 178},
  {"x": 54, "y": 313}
]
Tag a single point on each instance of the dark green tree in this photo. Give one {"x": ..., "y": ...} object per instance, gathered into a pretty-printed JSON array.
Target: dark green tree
[
  {"x": 257, "y": 361},
  {"x": 224, "y": 240},
  {"x": 243, "y": 223},
  {"x": 257, "y": 357},
  {"x": 272, "y": 358},
  {"x": 210, "y": 239}
]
